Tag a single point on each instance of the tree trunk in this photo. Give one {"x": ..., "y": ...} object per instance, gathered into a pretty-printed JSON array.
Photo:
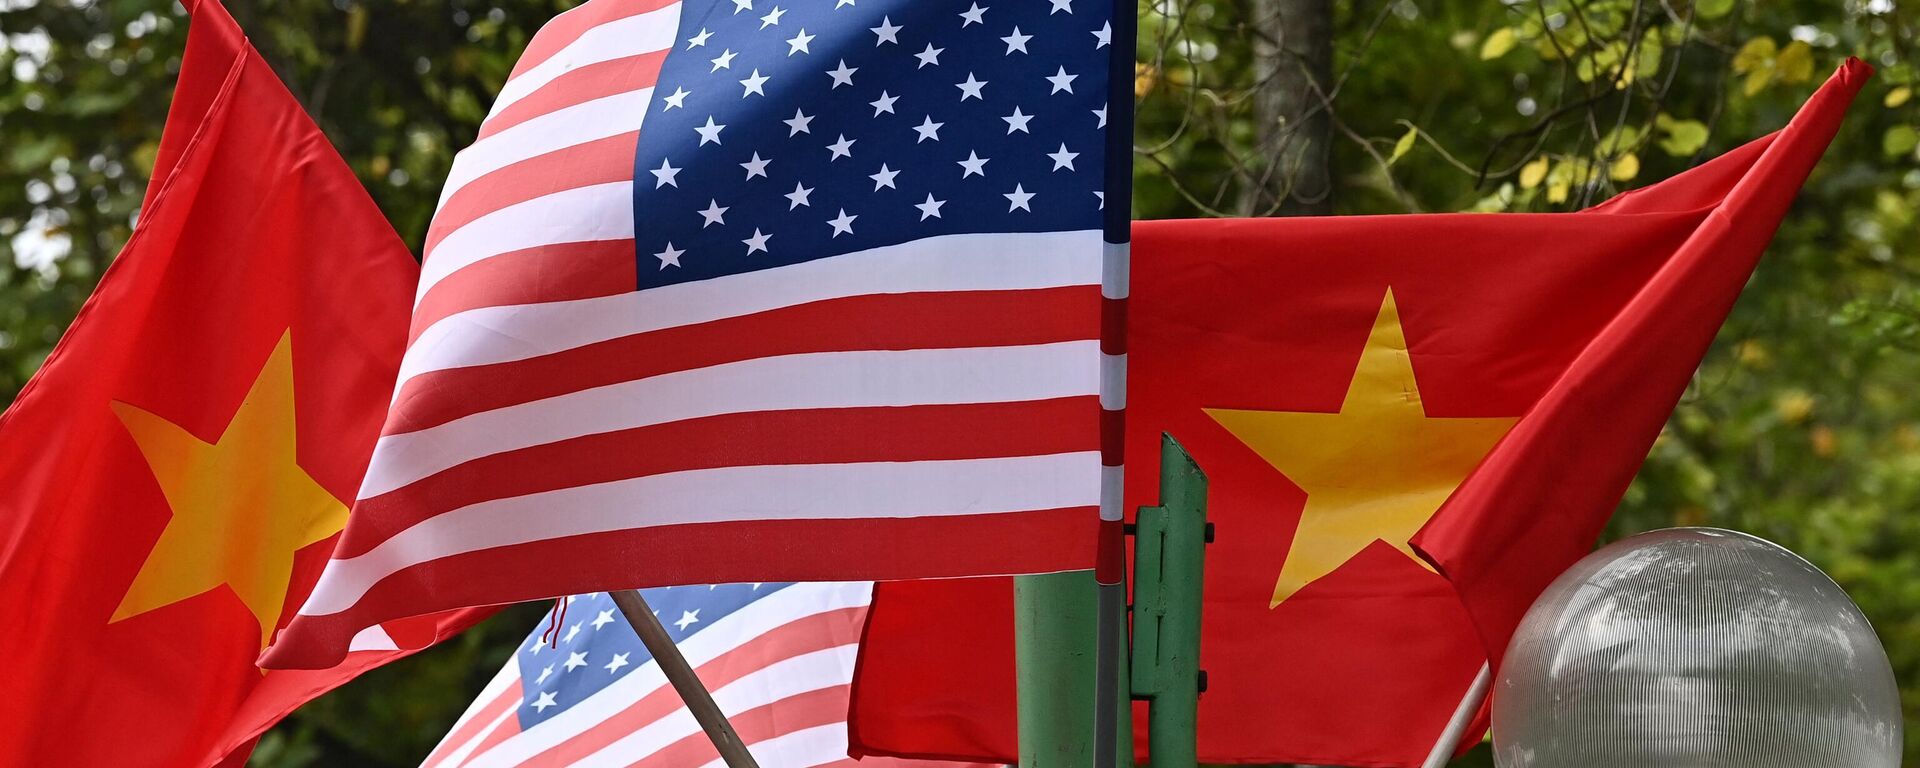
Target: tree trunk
[{"x": 1293, "y": 67}]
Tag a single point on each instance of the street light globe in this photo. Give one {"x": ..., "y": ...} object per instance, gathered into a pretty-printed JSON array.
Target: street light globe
[{"x": 1695, "y": 648}]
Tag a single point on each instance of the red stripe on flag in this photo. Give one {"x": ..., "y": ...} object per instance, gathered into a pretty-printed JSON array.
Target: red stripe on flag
[
  {"x": 601, "y": 78},
  {"x": 1037, "y": 541},
  {"x": 817, "y": 436},
  {"x": 559, "y": 272},
  {"x": 601, "y": 161},
  {"x": 947, "y": 320},
  {"x": 568, "y": 27}
]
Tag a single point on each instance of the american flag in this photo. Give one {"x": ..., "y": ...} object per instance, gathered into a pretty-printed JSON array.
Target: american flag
[
  {"x": 834, "y": 312},
  {"x": 778, "y": 657}
]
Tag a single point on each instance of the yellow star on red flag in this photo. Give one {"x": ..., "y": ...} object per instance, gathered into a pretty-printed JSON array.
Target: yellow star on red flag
[
  {"x": 242, "y": 506},
  {"x": 1377, "y": 470}
]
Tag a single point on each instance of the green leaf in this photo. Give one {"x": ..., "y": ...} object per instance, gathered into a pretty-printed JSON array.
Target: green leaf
[
  {"x": 1712, "y": 9},
  {"x": 1795, "y": 63},
  {"x": 1404, "y": 145},
  {"x": 1682, "y": 137},
  {"x": 1497, "y": 44},
  {"x": 1899, "y": 140}
]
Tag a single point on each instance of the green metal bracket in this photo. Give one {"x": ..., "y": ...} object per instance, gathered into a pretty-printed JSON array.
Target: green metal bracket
[{"x": 1168, "y": 560}]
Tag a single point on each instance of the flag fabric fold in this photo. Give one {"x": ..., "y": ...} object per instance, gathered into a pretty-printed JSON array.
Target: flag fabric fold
[
  {"x": 176, "y": 473},
  {"x": 1360, "y": 390},
  {"x": 1523, "y": 518},
  {"x": 735, "y": 291}
]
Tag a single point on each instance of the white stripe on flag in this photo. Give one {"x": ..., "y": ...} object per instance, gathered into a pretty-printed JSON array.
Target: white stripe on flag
[
  {"x": 968, "y": 262},
  {"x": 869, "y": 379},
  {"x": 783, "y": 492}
]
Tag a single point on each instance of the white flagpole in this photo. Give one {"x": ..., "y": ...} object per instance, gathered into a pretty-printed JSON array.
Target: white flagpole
[{"x": 1463, "y": 715}]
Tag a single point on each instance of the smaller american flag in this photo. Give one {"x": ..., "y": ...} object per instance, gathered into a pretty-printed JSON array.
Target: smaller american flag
[{"x": 778, "y": 658}]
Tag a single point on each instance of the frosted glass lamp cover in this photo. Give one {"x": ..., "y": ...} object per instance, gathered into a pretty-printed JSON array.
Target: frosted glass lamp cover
[{"x": 1695, "y": 648}]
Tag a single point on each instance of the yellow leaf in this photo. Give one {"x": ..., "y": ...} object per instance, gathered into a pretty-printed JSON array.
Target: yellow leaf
[
  {"x": 1533, "y": 173},
  {"x": 1758, "y": 53},
  {"x": 1795, "y": 63},
  {"x": 1145, "y": 76},
  {"x": 1898, "y": 96},
  {"x": 1497, "y": 44},
  {"x": 1793, "y": 406},
  {"x": 1557, "y": 191},
  {"x": 1404, "y": 145},
  {"x": 1625, "y": 167}
]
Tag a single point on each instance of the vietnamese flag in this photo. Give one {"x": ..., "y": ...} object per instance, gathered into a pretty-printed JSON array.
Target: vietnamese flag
[
  {"x": 176, "y": 474},
  {"x": 1345, "y": 382}
]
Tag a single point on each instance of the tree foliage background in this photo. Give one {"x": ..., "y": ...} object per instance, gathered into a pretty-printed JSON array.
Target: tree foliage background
[{"x": 1802, "y": 426}]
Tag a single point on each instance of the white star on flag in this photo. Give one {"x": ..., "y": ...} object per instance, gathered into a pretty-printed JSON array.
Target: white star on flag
[
  {"x": 709, "y": 132},
  {"x": 1016, "y": 41},
  {"x": 798, "y": 124},
  {"x": 971, "y": 88},
  {"x": 843, "y": 224},
  {"x": 1017, "y": 121},
  {"x": 756, "y": 166},
  {"x": 755, "y": 244},
  {"x": 1018, "y": 198},
  {"x": 843, "y": 74},
  {"x": 841, "y": 148},
  {"x": 930, "y": 208},
  {"x": 663, "y": 175},
  {"x": 974, "y": 164},
  {"x": 1061, "y": 81},
  {"x": 753, "y": 85},
  {"x": 887, "y": 32},
  {"x": 668, "y": 258},
  {"x": 928, "y": 129},
  {"x": 929, "y": 56},
  {"x": 1063, "y": 158},
  {"x": 798, "y": 197}
]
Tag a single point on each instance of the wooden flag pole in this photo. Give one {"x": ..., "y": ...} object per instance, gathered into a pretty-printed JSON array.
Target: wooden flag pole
[{"x": 678, "y": 672}]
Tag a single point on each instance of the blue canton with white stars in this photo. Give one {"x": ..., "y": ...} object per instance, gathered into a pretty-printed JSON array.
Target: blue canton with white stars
[
  {"x": 596, "y": 646},
  {"x": 782, "y": 131}
]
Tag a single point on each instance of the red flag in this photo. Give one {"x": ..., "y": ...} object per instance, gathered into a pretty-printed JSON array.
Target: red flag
[
  {"x": 175, "y": 475},
  {"x": 1338, "y": 379}
]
